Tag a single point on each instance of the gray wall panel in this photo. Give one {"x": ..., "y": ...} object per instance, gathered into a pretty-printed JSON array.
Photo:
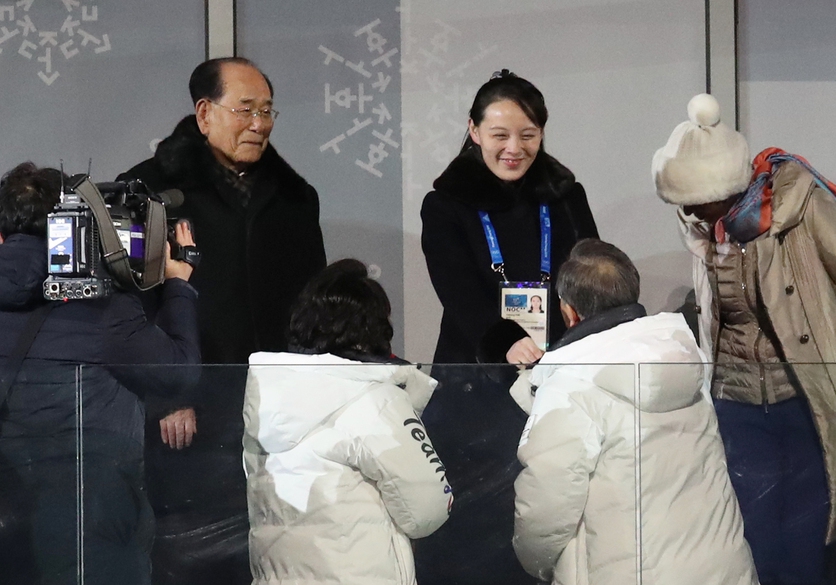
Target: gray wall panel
[
  {"x": 335, "y": 67},
  {"x": 787, "y": 55},
  {"x": 94, "y": 79},
  {"x": 787, "y": 41}
]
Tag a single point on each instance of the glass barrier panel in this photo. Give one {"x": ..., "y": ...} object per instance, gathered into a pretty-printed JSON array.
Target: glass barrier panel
[
  {"x": 475, "y": 425},
  {"x": 775, "y": 421},
  {"x": 689, "y": 521},
  {"x": 734, "y": 477},
  {"x": 314, "y": 459},
  {"x": 196, "y": 485},
  {"x": 577, "y": 497},
  {"x": 41, "y": 476},
  {"x": 556, "y": 470}
]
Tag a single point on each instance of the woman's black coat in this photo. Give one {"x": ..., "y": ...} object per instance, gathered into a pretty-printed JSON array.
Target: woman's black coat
[
  {"x": 459, "y": 261},
  {"x": 472, "y": 420}
]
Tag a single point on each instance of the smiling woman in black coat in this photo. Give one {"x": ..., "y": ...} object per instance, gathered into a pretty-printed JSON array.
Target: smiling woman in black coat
[{"x": 502, "y": 170}]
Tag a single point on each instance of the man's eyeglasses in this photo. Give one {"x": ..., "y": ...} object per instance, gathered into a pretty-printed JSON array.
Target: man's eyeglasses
[{"x": 245, "y": 114}]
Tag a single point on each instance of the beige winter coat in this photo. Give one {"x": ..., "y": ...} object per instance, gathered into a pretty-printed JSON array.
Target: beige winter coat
[
  {"x": 625, "y": 478},
  {"x": 340, "y": 471},
  {"x": 796, "y": 275}
]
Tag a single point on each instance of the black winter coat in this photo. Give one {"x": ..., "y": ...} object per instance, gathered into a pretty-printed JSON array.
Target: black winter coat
[
  {"x": 41, "y": 450},
  {"x": 255, "y": 257},
  {"x": 459, "y": 261}
]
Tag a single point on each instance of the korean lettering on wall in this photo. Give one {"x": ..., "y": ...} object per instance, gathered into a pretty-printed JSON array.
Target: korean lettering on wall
[{"x": 362, "y": 93}]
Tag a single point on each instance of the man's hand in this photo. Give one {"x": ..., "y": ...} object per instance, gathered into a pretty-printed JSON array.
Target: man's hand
[
  {"x": 178, "y": 428},
  {"x": 178, "y": 268},
  {"x": 524, "y": 352}
]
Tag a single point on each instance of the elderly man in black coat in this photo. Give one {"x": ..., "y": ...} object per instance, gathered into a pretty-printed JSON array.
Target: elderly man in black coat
[{"x": 257, "y": 224}]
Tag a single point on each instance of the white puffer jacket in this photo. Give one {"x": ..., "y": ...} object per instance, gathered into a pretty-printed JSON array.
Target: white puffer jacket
[
  {"x": 624, "y": 466},
  {"x": 340, "y": 472}
]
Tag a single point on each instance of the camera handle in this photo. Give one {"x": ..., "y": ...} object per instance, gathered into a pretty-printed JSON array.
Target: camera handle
[{"x": 156, "y": 231}]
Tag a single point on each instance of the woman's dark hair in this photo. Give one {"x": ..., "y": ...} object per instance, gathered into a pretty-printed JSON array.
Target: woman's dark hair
[
  {"x": 504, "y": 85},
  {"x": 342, "y": 310},
  {"x": 206, "y": 81},
  {"x": 27, "y": 195}
]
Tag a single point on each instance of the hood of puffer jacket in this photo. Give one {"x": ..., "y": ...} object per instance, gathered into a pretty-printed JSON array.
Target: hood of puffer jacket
[
  {"x": 305, "y": 390},
  {"x": 468, "y": 180},
  {"x": 652, "y": 362},
  {"x": 22, "y": 272}
]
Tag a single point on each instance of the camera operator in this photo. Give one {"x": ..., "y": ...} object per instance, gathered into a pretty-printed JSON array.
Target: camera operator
[{"x": 71, "y": 435}]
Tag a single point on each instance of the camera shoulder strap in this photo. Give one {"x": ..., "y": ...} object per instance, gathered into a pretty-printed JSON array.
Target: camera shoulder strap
[
  {"x": 155, "y": 234},
  {"x": 114, "y": 254},
  {"x": 24, "y": 344}
]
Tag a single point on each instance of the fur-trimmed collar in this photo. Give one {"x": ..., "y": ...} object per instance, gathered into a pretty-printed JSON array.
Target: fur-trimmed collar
[
  {"x": 185, "y": 157},
  {"x": 468, "y": 180}
]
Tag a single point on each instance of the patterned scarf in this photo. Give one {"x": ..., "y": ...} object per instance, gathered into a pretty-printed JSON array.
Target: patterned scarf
[{"x": 751, "y": 215}]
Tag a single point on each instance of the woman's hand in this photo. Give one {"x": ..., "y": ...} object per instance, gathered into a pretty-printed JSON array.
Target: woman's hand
[{"x": 524, "y": 352}]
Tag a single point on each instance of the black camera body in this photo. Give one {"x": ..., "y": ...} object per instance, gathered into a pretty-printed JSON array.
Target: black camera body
[
  {"x": 75, "y": 265},
  {"x": 104, "y": 236}
]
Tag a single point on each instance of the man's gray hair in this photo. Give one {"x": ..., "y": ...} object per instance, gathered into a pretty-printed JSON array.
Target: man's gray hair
[{"x": 597, "y": 277}]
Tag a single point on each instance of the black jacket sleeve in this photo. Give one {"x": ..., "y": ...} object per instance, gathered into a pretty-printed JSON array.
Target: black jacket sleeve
[
  {"x": 317, "y": 251},
  {"x": 130, "y": 341},
  {"x": 497, "y": 340}
]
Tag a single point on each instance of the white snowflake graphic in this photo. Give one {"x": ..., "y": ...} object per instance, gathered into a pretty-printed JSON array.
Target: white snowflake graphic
[
  {"x": 66, "y": 34},
  {"x": 436, "y": 62},
  {"x": 363, "y": 95}
]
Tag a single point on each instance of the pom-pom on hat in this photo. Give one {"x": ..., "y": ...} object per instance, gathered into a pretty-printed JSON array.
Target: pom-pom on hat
[{"x": 704, "y": 160}]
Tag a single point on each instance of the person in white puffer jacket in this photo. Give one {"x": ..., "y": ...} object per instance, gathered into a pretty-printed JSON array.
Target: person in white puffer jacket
[
  {"x": 624, "y": 478},
  {"x": 340, "y": 471}
]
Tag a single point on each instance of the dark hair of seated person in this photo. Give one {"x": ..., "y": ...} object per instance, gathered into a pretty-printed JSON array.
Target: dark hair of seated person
[
  {"x": 344, "y": 312},
  {"x": 27, "y": 195}
]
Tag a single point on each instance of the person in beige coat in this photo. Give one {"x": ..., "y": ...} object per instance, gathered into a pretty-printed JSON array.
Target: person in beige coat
[
  {"x": 340, "y": 471},
  {"x": 623, "y": 482},
  {"x": 763, "y": 235}
]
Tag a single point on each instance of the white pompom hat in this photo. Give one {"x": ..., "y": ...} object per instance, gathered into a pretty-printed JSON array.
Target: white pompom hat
[{"x": 704, "y": 160}]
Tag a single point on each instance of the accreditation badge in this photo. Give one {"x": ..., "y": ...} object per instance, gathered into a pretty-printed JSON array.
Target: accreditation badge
[{"x": 527, "y": 305}]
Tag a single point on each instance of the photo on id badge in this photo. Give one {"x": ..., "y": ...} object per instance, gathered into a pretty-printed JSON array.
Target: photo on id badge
[{"x": 527, "y": 304}]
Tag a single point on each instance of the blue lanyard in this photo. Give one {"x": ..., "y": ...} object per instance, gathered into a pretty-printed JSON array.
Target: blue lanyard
[{"x": 498, "y": 264}]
